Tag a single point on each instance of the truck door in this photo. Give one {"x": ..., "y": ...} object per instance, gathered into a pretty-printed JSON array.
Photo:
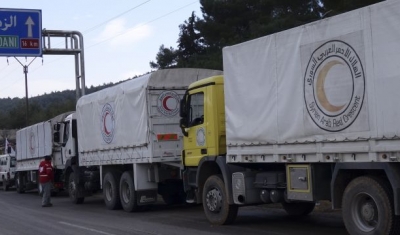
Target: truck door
[
  {"x": 68, "y": 150},
  {"x": 3, "y": 163},
  {"x": 196, "y": 141},
  {"x": 12, "y": 165}
]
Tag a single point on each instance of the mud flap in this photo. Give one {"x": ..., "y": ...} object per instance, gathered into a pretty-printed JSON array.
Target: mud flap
[{"x": 146, "y": 197}]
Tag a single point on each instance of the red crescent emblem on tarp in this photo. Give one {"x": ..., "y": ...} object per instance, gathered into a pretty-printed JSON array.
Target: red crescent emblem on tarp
[
  {"x": 165, "y": 104},
  {"x": 105, "y": 124}
]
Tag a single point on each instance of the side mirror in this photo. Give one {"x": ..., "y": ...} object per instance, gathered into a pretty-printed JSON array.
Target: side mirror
[
  {"x": 182, "y": 107},
  {"x": 182, "y": 124},
  {"x": 74, "y": 129},
  {"x": 56, "y": 136},
  {"x": 57, "y": 127}
]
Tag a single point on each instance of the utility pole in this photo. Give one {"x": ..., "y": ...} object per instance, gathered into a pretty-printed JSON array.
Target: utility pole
[
  {"x": 26, "y": 94},
  {"x": 25, "y": 68}
]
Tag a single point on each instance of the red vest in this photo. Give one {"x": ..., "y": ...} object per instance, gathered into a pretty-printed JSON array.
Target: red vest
[{"x": 45, "y": 172}]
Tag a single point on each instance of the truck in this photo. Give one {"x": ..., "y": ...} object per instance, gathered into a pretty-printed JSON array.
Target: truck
[
  {"x": 301, "y": 116},
  {"x": 33, "y": 144},
  {"x": 7, "y": 170},
  {"x": 125, "y": 141}
]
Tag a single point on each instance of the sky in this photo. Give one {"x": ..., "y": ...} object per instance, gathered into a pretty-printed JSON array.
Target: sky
[{"x": 120, "y": 38}]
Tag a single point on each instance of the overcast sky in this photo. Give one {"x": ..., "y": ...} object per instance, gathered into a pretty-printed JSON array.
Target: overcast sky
[{"x": 120, "y": 39}]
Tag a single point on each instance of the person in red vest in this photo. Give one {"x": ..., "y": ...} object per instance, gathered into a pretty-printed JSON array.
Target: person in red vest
[{"x": 45, "y": 179}]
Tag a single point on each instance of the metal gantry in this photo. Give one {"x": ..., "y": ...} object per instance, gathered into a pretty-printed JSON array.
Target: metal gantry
[{"x": 73, "y": 45}]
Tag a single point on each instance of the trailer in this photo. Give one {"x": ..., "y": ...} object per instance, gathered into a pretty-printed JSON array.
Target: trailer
[{"x": 308, "y": 114}]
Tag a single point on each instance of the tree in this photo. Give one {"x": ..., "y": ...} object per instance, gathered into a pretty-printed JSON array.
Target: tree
[
  {"x": 334, "y": 7},
  {"x": 166, "y": 58},
  {"x": 190, "y": 43},
  {"x": 229, "y": 22}
]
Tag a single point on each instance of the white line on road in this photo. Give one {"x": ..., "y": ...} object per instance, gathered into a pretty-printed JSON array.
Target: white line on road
[
  {"x": 101, "y": 232},
  {"x": 85, "y": 228}
]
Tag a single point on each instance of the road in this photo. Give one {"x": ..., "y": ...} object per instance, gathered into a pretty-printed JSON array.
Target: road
[{"x": 22, "y": 214}]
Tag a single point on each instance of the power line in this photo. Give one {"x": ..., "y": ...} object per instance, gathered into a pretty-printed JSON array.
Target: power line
[
  {"x": 121, "y": 14},
  {"x": 87, "y": 30},
  {"x": 108, "y": 39},
  {"x": 151, "y": 21}
]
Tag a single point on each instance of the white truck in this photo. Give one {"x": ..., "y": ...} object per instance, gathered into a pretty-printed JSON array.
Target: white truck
[
  {"x": 33, "y": 144},
  {"x": 307, "y": 114},
  {"x": 7, "y": 170},
  {"x": 126, "y": 140}
]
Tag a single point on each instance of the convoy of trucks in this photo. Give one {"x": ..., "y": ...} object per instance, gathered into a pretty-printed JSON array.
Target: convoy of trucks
[
  {"x": 299, "y": 116},
  {"x": 124, "y": 140}
]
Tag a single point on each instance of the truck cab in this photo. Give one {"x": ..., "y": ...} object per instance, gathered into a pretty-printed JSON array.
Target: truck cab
[
  {"x": 203, "y": 120},
  {"x": 7, "y": 170},
  {"x": 65, "y": 135}
]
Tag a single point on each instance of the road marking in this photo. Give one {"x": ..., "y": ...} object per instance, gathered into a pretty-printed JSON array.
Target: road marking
[
  {"x": 85, "y": 228},
  {"x": 101, "y": 232}
]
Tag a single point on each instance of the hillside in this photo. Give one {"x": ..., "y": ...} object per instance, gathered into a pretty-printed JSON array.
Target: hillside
[{"x": 43, "y": 107}]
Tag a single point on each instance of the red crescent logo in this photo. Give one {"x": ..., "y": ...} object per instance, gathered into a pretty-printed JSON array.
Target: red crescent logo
[
  {"x": 165, "y": 105},
  {"x": 31, "y": 142},
  {"x": 104, "y": 123}
]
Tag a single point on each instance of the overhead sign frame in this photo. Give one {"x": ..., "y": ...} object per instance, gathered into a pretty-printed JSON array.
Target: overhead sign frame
[{"x": 20, "y": 32}]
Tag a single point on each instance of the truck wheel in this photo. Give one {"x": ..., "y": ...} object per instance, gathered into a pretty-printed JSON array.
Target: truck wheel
[
  {"x": 73, "y": 190},
  {"x": 111, "y": 191},
  {"x": 18, "y": 183},
  {"x": 298, "y": 208},
  {"x": 5, "y": 185},
  {"x": 215, "y": 202},
  {"x": 368, "y": 207},
  {"x": 128, "y": 193}
]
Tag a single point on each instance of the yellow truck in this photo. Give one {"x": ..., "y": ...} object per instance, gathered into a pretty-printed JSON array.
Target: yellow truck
[{"x": 300, "y": 116}]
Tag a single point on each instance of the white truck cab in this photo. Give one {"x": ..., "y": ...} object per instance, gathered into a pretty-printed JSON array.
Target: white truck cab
[{"x": 7, "y": 170}]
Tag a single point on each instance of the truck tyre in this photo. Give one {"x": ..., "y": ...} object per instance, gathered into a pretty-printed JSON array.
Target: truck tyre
[
  {"x": 18, "y": 183},
  {"x": 298, "y": 208},
  {"x": 111, "y": 190},
  {"x": 73, "y": 190},
  {"x": 215, "y": 202},
  {"x": 368, "y": 207},
  {"x": 128, "y": 193},
  {"x": 5, "y": 185}
]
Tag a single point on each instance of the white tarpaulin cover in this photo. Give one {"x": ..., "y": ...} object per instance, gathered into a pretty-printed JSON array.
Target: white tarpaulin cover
[
  {"x": 118, "y": 117},
  {"x": 333, "y": 79},
  {"x": 36, "y": 141}
]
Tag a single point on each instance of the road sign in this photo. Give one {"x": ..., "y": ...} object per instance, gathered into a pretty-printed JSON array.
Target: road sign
[{"x": 20, "y": 32}]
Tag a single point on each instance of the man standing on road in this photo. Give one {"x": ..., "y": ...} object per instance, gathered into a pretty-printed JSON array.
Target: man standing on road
[{"x": 45, "y": 179}]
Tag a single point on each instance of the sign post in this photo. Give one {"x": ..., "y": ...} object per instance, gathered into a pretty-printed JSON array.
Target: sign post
[
  {"x": 21, "y": 35},
  {"x": 20, "y": 32}
]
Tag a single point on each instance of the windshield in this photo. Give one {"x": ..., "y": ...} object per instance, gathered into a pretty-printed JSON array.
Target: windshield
[{"x": 13, "y": 162}]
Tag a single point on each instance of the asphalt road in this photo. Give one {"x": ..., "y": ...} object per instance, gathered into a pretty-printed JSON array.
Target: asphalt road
[{"x": 22, "y": 214}]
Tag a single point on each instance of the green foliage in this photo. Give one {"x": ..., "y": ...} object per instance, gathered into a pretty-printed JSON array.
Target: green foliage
[
  {"x": 334, "y": 7},
  {"x": 166, "y": 58},
  {"x": 229, "y": 22}
]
